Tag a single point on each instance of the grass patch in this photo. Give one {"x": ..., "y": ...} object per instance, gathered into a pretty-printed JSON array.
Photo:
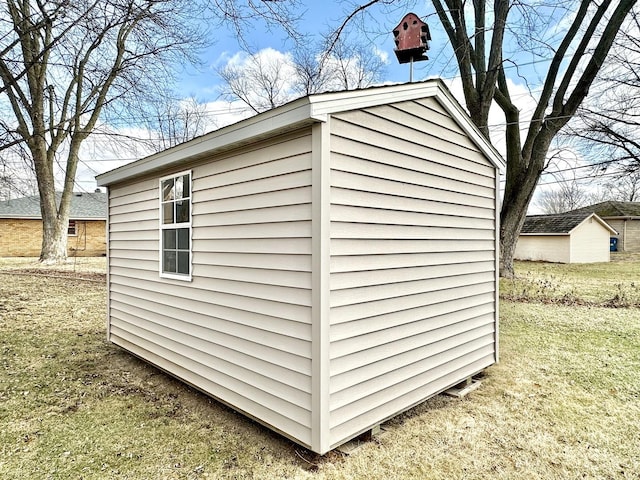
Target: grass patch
[{"x": 563, "y": 402}]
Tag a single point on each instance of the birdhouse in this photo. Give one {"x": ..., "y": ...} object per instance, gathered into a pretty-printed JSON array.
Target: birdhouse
[{"x": 412, "y": 39}]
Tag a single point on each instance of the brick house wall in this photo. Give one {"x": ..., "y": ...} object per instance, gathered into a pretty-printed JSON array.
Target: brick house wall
[{"x": 23, "y": 238}]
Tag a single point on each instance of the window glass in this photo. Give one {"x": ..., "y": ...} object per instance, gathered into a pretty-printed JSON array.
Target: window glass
[{"x": 175, "y": 211}]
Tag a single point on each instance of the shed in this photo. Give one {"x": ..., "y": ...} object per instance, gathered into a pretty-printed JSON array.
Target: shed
[
  {"x": 320, "y": 267},
  {"x": 21, "y": 225},
  {"x": 580, "y": 237},
  {"x": 624, "y": 217}
]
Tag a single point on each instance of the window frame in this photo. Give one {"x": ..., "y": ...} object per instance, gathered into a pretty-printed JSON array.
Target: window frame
[
  {"x": 73, "y": 233},
  {"x": 175, "y": 226}
]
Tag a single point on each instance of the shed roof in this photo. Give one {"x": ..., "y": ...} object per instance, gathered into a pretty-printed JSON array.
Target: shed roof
[
  {"x": 296, "y": 114},
  {"x": 84, "y": 206},
  {"x": 558, "y": 224},
  {"x": 612, "y": 209}
]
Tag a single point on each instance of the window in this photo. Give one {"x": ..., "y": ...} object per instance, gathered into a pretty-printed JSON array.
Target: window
[
  {"x": 175, "y": 226},
  {"x": 71, "y": 229}
]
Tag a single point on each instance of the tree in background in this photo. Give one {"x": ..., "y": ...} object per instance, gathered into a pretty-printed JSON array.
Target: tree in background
[
  {"x": 65, "y": 63},
  {"x": 487, "y": 40},
  {"x": 269, "y": 78}
]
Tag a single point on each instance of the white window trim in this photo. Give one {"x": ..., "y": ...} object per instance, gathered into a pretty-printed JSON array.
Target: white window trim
[{"x": 162, "y": 227}]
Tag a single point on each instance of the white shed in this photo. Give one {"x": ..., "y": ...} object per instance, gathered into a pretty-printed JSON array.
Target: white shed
[
  {"x": 321, "y": 267},
  {"x": 573, "y": 237}
]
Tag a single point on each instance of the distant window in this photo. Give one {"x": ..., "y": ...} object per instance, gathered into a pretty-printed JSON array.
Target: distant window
[
  {"x": 71, "y": 229},
  {"x": 175, "y": 226}
]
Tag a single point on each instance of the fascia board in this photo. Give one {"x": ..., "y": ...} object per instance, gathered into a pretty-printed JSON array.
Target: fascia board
[{"x": 290, "y": 116}]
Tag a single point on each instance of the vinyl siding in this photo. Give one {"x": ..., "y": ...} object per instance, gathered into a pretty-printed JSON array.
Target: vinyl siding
[
  {"x": 590, "y": 242},
  {"x": 413, "y": 267},
  {"x": 241, "y": 329},
  {"x": 546, "y": 248}
]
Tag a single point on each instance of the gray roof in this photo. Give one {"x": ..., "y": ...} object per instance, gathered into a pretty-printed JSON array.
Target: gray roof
[
  {"x": 84, "y": 206},
  {"x": 612, "y": 209},
  {"x": 561, "y": 223}
]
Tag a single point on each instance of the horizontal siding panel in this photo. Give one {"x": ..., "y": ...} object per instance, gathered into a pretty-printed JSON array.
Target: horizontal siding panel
[
  {"x": 136, "y": 245},
  {"x": 385, "y": 388},
  {"x": 135, "y": 235},
  {"x": 137, "y": 197},
  {"x": 352, "y": 296},
  {"x": 347, "y": 246},
  {"x": 345, "y": 264},
  {"x": 414, "y": 116},
  {"x": 357, "y": 279},
  {"x": 429, "y": 328},
  {"x": 293, "y": 229},
  {"x": 401, "y": 232},
  {"x": 376, "y": 182},
  {"x": 148, "y": 255},
  {"x": 437, "y": 188},
  {"x": 134, "y": 264},
  {"x": 272, "y": 184},
  {"x": 208, "y": 349},
  {"x": 283, "y": 278},
  {"x": 232, "y": 377},
  {"x": 252, "y": 173},
  {"x": 299, "y": 263},
  {"x": 286, "y": 213},
  {"x": 441, "y": 165},
  {"x": 255, "y": 155},
  {"x": 349, "y": 313},
  {"x": 286, "y": 246},
  {"x": 201, "y": 288},
  {"x": 152, "y": 204},
  {"x": 275, "y": 332},
  {"x": 366, "y": 365},
  {"x": 146, "y": 225},
  {"x": 436, "y": 314},
  {"x": 356, "y": 214},
  {"x": 292, "y": 196},
  {"x": 135, "y": 216},
  {"x": 345, "y": 424},
  {"x": 239, "y": 396},
  {"x": 208, "y": 304},
  {"x": 367, "y": 129},
  {"x": 124, "y": 191},
  {"x": 359, "y": 198}
]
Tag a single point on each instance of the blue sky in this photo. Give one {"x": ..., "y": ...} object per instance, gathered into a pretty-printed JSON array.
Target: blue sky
[{"x": 319, "y": 16}]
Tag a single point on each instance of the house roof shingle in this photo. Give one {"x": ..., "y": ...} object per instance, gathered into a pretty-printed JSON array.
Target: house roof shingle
[
  {"x": 612, "y": 209},
  {"x": 84, "y": 206},
  {"x": 561, "y": 223}
]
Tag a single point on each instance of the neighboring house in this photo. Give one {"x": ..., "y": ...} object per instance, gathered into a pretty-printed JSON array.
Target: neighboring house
[
  {"x": 21, "y": 226},
  {"x": 322, "y": 266},
  {"x": 581, "y": 237},
  {"x": 624, "y": 217}
]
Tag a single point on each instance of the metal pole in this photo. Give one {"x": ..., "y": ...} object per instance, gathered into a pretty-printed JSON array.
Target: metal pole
[{"x": 411, "y": 70}]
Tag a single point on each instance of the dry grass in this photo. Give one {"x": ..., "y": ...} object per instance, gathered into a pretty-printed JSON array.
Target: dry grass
[{"x": 563, "y": 403}]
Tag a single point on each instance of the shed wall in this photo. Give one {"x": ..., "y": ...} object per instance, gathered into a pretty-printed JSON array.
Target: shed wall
[
  {"x": 545, "y": 248},
  {"x": 413, "y": 267},
  {"x": 590, "y": 242},
  {"x": 241, "y": 329}
]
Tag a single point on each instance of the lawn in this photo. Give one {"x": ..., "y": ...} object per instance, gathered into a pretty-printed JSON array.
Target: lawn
[{"x": 564, "y": 401}]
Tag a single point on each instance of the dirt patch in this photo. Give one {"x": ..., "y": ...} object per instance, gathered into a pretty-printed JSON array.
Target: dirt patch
[{"x": 91, "y": 276}]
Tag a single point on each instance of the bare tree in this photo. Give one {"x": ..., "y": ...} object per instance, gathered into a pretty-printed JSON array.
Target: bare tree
[
  {"x": 172, "y": 121},
  {"x": 608, "y": 124},
  {"x": 567, "y": 195},
  {"x": 477, "y": 34},
  {"x": 268, "y": 78},
  {"x": 64, "y": 64}
]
